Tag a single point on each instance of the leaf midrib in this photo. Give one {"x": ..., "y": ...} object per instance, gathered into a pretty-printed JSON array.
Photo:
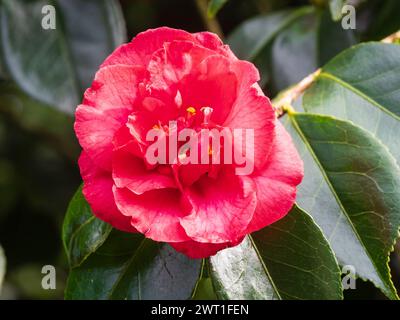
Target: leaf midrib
[
  {"x": 264, "y": 267},
  {"x": 343, "y": 210},
  {"x": 126, "y": 268},
  {"x": 348, "y": 86},
  {"x": 196, "y": 286},
  {"x": 95, "y": 245}
]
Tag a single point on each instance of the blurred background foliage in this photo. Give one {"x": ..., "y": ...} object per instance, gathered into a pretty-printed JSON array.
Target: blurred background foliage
[{"x": 43, "y": 74}]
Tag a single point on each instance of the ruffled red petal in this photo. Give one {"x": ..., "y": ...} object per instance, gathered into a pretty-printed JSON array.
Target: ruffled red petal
[
  {"x": 97, "y": 189},
  {"x": 277, "y": 182}
]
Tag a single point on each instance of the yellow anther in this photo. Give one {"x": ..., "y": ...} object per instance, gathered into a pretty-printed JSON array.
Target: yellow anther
[
  {"x": 157, "y": 127},
  {"x": 191, "y": 110}
]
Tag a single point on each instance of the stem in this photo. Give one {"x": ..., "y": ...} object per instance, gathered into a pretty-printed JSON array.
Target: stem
[
  {"x": 211, "y": 24},
  {"x": 283, "y": 102},
  {"x": 395, "y": 37}
]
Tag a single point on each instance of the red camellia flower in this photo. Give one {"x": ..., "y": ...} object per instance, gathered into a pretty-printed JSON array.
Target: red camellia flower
[{"x": 194, "y": 80}]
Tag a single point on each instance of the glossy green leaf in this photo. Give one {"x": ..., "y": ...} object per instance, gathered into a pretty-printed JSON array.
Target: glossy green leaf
[
  {"x": 82, "y": 233},
  {"x": 110, "y": 264},
  {"x": 294, "y": 53},
  {"x": 2, "y": 266},
  {"x": 253, "y": 39},
  {"x": 362, "y": 85},
  {"x": 205, "y": 288},
  {"x": 290, "y": 259},
  {"x": 55, "y": 66},
  {"x": 286, "y": 46},
  {"x": 128, "y": 266},
  {"x": 351, "y": 188},
  {"x": 305, "y": 45},
  {"x": 214, "y": 6}
]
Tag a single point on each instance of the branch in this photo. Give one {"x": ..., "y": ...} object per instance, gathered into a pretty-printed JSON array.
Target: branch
[
  {"x": 283, "y": 102},
  {"x": 211, "y": 24},
  {"x": 395, "y": 37}
]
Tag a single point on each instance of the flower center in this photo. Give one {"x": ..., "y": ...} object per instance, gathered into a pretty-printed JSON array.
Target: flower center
[{"x": 196, "y": 120}]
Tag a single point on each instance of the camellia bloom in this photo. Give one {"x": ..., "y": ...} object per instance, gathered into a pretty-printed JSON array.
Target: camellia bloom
[{"x": 168, "y": 75}]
